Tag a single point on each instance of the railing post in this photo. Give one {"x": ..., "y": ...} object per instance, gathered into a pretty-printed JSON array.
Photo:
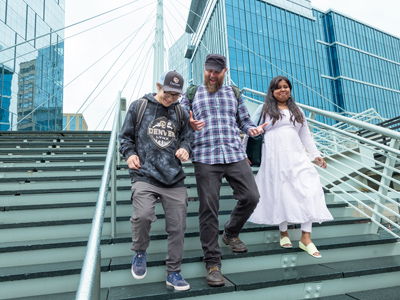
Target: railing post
[
  {"x": 96, "y": 281},
  {"x": 115, "y": 162},
  {"x": 385, "y": 182},
  {"x": 114, "y": 196},
  {"x": 122, "y": 114}
]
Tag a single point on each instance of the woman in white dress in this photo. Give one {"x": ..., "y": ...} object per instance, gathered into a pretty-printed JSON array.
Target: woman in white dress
[{"x": 288, "y": 183}]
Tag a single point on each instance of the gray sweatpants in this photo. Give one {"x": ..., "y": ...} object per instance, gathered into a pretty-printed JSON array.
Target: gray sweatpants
[{"x": 174, "y": 202}]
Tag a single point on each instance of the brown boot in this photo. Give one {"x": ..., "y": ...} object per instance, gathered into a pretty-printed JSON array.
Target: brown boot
[
  {"x": 236, "y": 244},
  {"x": 214, "y": 276}
]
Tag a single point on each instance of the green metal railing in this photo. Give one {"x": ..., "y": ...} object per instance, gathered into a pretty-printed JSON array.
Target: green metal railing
[{"x": 89, "y": 284}]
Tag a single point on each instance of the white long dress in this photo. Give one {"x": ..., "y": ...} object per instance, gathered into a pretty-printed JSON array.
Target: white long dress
[{"x": 288, "y": 183}]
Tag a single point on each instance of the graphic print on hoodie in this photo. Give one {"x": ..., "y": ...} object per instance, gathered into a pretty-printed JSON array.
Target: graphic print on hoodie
[
  {"x": 162, "y": 131},
  {"x": 157, "y": 143}
]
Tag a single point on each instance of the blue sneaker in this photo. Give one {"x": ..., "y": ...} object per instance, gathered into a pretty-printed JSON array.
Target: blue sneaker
[
  {"x": 175, "y": 280},
  {"x": 138, "y": 268}
]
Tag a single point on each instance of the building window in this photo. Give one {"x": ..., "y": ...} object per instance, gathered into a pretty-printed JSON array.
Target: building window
[{"x": 72, "y": 125}]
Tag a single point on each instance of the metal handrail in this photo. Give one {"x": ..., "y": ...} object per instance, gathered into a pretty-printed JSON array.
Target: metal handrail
[
  {"x": 382, "y": 198},
  {"x": 337, "y": 142},
  {"x": 338, "y": 117},
  {"x": 89, "y": 283},
  {"x": 324, "y": 148}
]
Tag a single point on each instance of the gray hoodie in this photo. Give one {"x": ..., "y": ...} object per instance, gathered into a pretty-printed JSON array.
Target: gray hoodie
[{"x": 158, "y": 142}]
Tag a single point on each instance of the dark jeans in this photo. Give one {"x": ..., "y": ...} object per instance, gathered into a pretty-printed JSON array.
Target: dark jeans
[{"x": 209, "y": 178}]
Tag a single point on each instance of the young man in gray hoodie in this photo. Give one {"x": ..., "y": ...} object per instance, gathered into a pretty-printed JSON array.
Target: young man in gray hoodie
[{"x": 154, "y": 156}]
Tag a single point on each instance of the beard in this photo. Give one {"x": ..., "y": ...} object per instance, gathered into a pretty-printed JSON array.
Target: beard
[{"x": 213, "y": 87}]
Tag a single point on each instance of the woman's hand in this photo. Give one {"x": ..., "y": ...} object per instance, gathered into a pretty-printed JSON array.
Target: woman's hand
[{"x": 320, "y": 162}]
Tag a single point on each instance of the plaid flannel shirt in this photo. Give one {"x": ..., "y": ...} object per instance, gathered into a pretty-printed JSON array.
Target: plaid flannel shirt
[{"x": 218, "y": 142}]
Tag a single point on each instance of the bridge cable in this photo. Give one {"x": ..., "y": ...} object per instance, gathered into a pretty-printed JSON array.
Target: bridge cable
[
  {"x": 143, "y": 77},
  {"x": 133, "y": 68},
  {"x": 77, "y": 23},
  {"x": 108, "y": 71},
  {"x": 80, "y": 73},
  {"x": 66, "y": 38},
  {"x": 116, "y": 73},
  {"x": 77, "y": 77}
]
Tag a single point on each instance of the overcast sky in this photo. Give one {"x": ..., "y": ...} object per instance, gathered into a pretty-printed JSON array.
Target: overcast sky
[{"x": 135, "y": 63}]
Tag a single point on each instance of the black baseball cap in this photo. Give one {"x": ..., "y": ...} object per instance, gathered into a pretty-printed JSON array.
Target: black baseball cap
[
  {"x": 215, "y": 62},
  {"x": 171, "y": 81}
]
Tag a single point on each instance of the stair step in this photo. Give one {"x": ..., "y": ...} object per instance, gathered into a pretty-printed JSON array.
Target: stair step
[
  {"x": 263, "y": 279},
  {"x": 40, "y": 177},
  {"x": 9, "y": 135},
  {"x": 4, "y": 153},
  {"x": 13, "y": 232},
  {"x": 50, "y": 159},
  {"x": 64, "y": 296},
  {"x": 72, "y": 210},
  {"x": 46, "y": 270},
  {"x": 41, "y": 170},
  {"x": 193, "y": 256},
  {"x": 119, "y": 249},
  {"x": 258, "y": 250},
  {"x": 122, "y": 186},
  {"x": 68, "y": 248},
  {"x": 51, "y": 144},
  {"x": 75, "y": 196},
  {"x": 338, "y": 297},
  {"x": 389, "y": 293},
  {"x": 159, "y": 291}
]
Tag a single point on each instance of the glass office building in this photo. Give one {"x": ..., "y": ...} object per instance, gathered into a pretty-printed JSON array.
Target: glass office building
[
  {"x": 360, "y": 65},
  {"x": 74, "y": 122},
  {"x": 334, "y": 62},
  {"x": 175, "y": 61},
  {"x": 31, "y": 64}
]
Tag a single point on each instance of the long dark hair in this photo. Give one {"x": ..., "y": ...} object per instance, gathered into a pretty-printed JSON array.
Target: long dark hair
[{"x": 271, "y": 105}]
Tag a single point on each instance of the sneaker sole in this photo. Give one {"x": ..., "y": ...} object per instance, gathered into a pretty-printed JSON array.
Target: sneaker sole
[
  {"x": 178, "y": 288},
  {"x": 233, "y": 250},
  {"x": 137, "y": 276}
]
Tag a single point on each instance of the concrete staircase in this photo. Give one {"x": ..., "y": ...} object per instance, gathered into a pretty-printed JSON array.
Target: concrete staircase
[{"x": 48, "y": 189}]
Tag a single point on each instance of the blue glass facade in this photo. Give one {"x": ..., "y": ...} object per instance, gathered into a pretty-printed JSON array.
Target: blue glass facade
[
  {"x": 35, "y": 68},
  {"x": 334, "y": 62},
  {"x": 275, "y": 41},
  {"x": 5, "y": 97},
  {"x": 361, "y": 63},
  {"x": 175, "y": 61}
]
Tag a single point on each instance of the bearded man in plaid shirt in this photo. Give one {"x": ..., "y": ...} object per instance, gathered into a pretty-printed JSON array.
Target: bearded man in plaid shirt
[{"x": 217, "y": 117}]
